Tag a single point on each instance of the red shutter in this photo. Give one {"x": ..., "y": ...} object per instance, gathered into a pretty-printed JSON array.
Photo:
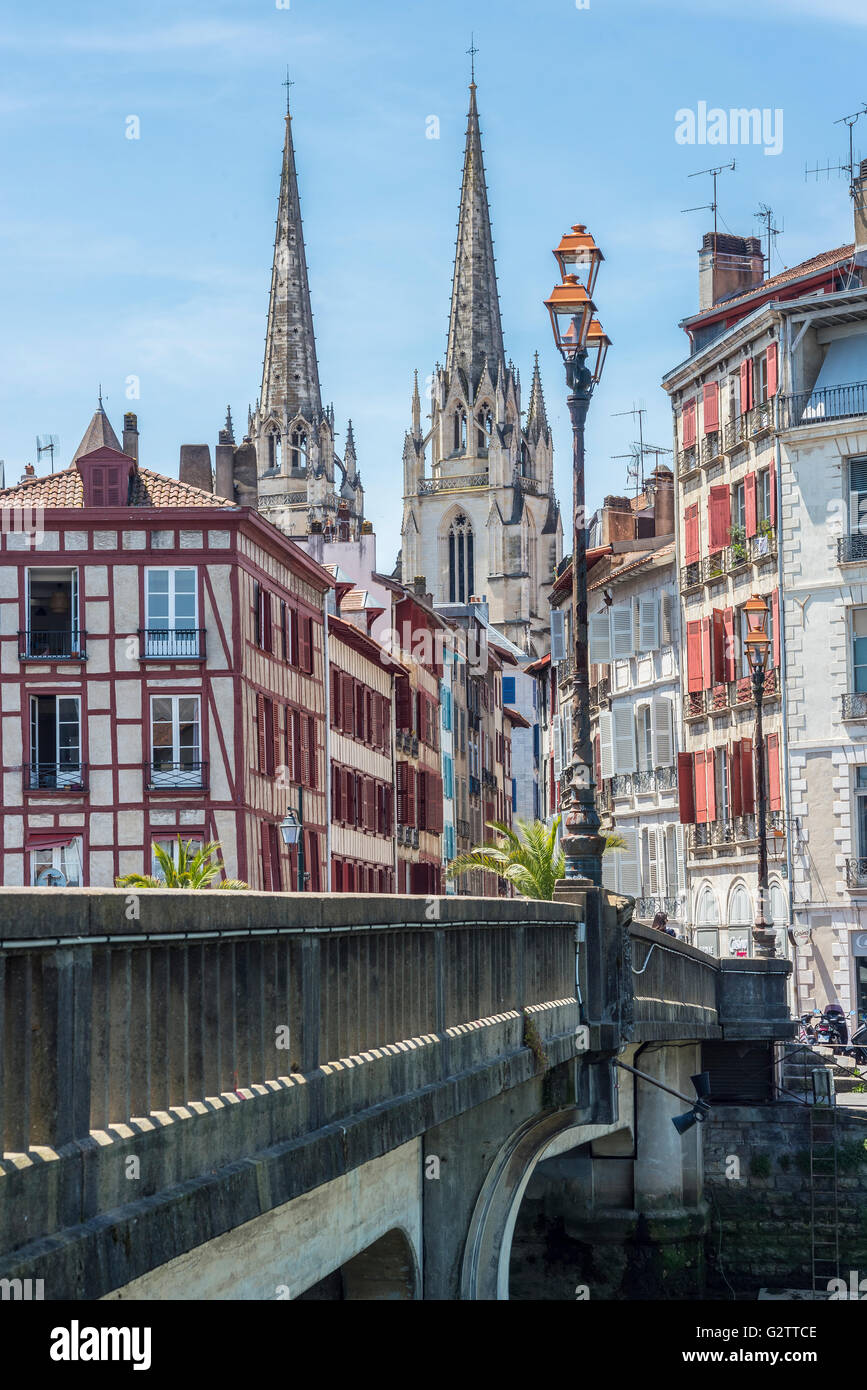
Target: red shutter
[
  {"x": 260, "y": 729},
  {"x": 422, "y": 807},
  {"x": 719, "y": 645},
  {"x": 775, "y": 622},
  {"x": 748, "y": 791},
  {"x": 735, "y": 795},
  {"x": 305, "y": 627},
  {"x": 730, "y": 668},
  {"x": 711, "y": 408},
  {"x": 401, "y": 792},
  {"x": 694, "y": 680},
  {"x": 772, "y": 490},
  {"x": 347, "y": 707},
  {"x": 719, "y": 517},
  {"x": 773, "y": 373},
  {"x": 746, "y": 385},
  {"x": 284, "y": 628},
  {"x": 335, "y": 793},
  {"x": 311, "y": 752},
  {"x": 688, "y": 423},
  {"x": 706, "y": 654},
  {"x": 275, "y": 734},
  {"x": 335, "y": 698},
  {"x": 751, "y": 506},
  {"x": 434, "y": 802},
  {"x": 775, "y": 799},
  {"x": 293, "y": 636},
  {"x": 297, "y": 770},
  {"x": 404, "y": 703},
  {"x": 686, "y": 788},
  {"x": 267, "y": 622},
  {"x": 266, "y": 855},
  {"x": 700, "y": 789},
  {"x": 691, "y": 541},
  {"x": 378, "y": 721},
  {"x": 410, "y": 795}
]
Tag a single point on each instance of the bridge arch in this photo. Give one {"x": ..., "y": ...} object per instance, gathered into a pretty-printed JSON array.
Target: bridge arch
[
  {"x": 485, "y": 1268},
  {"x": 386, "y": 1271}
]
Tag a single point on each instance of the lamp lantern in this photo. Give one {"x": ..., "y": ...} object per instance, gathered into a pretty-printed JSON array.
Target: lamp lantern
[
  {"x": 579, "y": 255},
  {"x": 571, "y": 310},
  {"x": 757, "y": 641}
]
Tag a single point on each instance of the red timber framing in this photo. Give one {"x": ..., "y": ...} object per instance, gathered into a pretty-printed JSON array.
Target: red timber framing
[
  {"x": 170, "y": 730},
  {"x": 363, "y": 801}
]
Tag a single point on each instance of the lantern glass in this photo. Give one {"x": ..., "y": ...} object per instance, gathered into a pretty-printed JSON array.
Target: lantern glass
[
  {"x": 578, "y": 254},
  {"x": 290, "y": 828},
  {"x": 598, "y": 343},
  {"x": 757, "y": 614},
  {"x": 571, "y": 310}
]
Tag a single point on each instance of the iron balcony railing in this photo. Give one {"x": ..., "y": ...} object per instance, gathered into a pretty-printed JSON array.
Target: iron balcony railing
[
  {"x": 854, "y": 705},
  {"x": 176, "y": 776},
  {"x": 600, "y": 691},
  {"x": 466, "y": 480},
  {"x": 761, "y": 418},
  {"x": 475, "y": 786},
  {"x": 851, "y": 548},
  {"x": 763, "y": 546},
  {"x": 734, "y": 830},
  {"x": 660, "y": 779},
  {"x": 687, "y": 460},
  {"x": 565, "y": 670},
  {"x": 58, "y": 777},
  {"x": 66, "y": 645},
  {"x": 172, "y": 644},
  {"x": 856, "y": 873},
  {"x": 828, "y": 403},
  {"x": 715, "y": 566},
  {"x": 690, "y": 576},
  {"x": 463, "y": 829},
  {"x": 737, "y": 431},
  {"x": 711, "y": 447}
]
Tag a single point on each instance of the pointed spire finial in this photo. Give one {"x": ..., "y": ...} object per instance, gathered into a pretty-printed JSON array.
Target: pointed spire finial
[
  {"x": 99, "y": 390},
  {"x": 287, "y": 84},
  {"x": 472, "y": 50}
]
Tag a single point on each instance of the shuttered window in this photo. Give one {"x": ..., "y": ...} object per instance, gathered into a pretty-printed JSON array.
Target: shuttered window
[
  {"x": 858, "y": 497},
  {"x": 662, "y": 729},
  {"x": 691, "y": 539},
  {"x": 711, "y": 407},
  {"x": 719, "y": 518},
  {"x": 775, "y": 794}
]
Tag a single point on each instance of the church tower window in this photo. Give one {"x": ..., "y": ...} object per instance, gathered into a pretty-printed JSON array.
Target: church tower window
[
  {"x": 298, "y": 448},
  {"x": 275, "y": 452},
  {"x": 460, "y": 428},
  {"x": 461, "y": 561},
  {"x": 485, "y": 424}
]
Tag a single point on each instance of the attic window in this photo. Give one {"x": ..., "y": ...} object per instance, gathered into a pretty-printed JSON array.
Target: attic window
[{"x": 108, "y": 485}]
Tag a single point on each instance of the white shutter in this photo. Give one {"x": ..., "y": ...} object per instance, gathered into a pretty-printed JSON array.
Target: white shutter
[
  {"x": 648, "y": 624},
  {"x": 599, "y": 631},
  {"x": 622, "y": 630},
  {"x": 606, "y": 744},
  {"x": 555, "y": 740},
  {"x": 629, "y": 876},
  {"x": 624, "y": 738},
  {"x": 645, "y": 745},
  {"x": 652, "y": 864},
  {"x": 558, "y": 638},
  {"x": 672, "y": 866},
  {"x": 665, "y": 634},
  {"x": 566, "y": 727},
  {"x": 662, "y": 731}
]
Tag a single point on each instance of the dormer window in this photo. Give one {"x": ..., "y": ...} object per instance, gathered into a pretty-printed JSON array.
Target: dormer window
[{"x": 108, "y": 485}]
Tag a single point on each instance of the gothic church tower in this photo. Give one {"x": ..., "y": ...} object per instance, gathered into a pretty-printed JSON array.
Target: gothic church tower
[
  {"x": 483, "y": 521},
  {"x": 287, "y": 465}
]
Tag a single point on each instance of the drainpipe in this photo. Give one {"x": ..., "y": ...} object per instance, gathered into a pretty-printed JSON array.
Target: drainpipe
[
  {"x": 784, "y": 695},
  {"x": 327, "y": 683},
  {"x": 679, "y": 663}
]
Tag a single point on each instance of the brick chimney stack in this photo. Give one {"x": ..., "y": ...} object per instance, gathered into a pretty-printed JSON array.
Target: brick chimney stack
[
  {"x": 130, "y": 435},
  {"x": 860, "y": 200},
  {"x": 728, "y": 265}
]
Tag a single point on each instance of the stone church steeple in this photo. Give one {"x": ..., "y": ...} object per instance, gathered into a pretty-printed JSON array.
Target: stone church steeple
[
  {"x": 483, "y": 522},
  {"x": 287, "y": 465}
]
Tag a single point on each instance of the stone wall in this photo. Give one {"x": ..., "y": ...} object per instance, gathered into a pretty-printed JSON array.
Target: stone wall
[{"x": 760, "y": 1231}]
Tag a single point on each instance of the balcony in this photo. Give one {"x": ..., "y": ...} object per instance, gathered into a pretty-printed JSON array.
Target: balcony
[
  {"x": 737, "y": 432},
  {"x": 714, "y": 567},
  {"x": 851, "y": 549},
  {"x": 761, "y": 419},
  {"x": 854, "y": 706},
  {"x": 711, "y": 447},
  {"x": 173, "y": 644},
  {"x": 55, "y": 777},
  {"x": 764, "y": 546},
  {"x": 475, "y": 786},
  {"x": 628, "y": 784},
  {"x": 36, "y": 645},
  {"x": 687, "y": 461},
  {"x": 741, "y": 831},
  {"x": 463, "y": 829},
  {"x": 600, "y": 691},
  {"x": 830, "y": 403},
  {"x": 187, "y": 774},
  {"x": 856, "y": 873},
  {"x": 459, "y": 484},
  {"x": 694, "y": 704},
  {"x": 565, "y": 670},
  {"x": 741, "y": 690},
  {"x": 690, "y": 576},
  {"x": 407, "y": 742},
  {"x": 489, "y": 780}
]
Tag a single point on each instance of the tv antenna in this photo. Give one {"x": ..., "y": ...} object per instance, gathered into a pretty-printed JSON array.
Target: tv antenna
[
  {"x": 766, "y": 215},
  {"x": 46, "y": 444},
  {"x": 713, "y": 205},
  {"x": 828, "y": 169}
]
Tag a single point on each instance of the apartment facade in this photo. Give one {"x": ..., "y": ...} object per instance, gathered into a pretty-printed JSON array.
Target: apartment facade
[{"x": 161, "y": 674}]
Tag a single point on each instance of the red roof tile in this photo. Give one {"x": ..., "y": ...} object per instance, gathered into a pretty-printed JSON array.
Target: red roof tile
[
  {"x": 785, "y": 277},
  {"x": 65, "y": 489}
]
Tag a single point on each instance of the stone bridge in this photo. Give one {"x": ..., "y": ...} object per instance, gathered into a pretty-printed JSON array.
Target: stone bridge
[{"x": 258, "y": 1096}]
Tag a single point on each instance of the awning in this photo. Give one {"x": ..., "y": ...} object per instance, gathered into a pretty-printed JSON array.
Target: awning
[
  {"x": 50, "y": 839},
  {"x": 843, "y": 374}
]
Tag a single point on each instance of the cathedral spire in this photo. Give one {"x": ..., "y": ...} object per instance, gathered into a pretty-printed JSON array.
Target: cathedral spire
[
  {"x": 290, "y": 375},
  {"x": 416, "y": 406},
  {"x": 537, "y": 418},
  {"x": 475, "y": 330}
]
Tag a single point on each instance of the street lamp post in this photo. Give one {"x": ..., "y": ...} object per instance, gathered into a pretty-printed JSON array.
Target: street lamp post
[
  {"x": 292, "y": 830},
  {"x": 579, "y": 336},
  {"x": 758, "y": 644}
]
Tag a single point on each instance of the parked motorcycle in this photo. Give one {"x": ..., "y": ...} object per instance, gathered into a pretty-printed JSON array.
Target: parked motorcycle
[
  {"x": 835, "y": 1019},
  {"x": 858, "y": 1050}
]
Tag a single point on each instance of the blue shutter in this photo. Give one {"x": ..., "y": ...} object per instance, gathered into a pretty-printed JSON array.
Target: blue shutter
[{"x": 508, "y": 690}]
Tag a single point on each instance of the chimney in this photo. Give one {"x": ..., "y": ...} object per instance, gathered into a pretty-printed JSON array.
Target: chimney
[
  {"x": 728, "y": 265},
  {"x": 618, "y": 520},
  {"x": 224, "y": 469},
  {"x": 195, "y": 466},
  {"x": 481, "y": 604},
  {"x": 419, "y": 586},
  {"x": 29, "y": 472},
  {"x": 663, "y": 502},
  {"x": 130, "y": 435},
  {"x": 860, "y": 201}
]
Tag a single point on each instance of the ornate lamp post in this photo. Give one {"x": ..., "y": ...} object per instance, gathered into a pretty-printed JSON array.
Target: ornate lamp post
[
  {"x": 583, "y": 345},
  {"x": 758, "y": 643},
  {"x": 292, "y": 830}
]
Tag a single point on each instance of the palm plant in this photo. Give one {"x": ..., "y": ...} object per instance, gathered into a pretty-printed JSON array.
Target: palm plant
[
  {"x": 190, "y": 871},
  {"x": 527, "y": 856}
]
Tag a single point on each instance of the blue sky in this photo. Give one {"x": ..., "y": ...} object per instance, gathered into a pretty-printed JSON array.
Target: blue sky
[{"x": 151, "y": 257}]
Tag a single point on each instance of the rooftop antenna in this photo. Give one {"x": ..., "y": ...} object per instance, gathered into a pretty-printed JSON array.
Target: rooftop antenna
[
  {"x": 829, "y": 169},
  {"x": 638, "y": 470},
  {"x": 46, "y": 444},
  {"x": 766, "y": 215},
  {"x": 713, "y": 205}
]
